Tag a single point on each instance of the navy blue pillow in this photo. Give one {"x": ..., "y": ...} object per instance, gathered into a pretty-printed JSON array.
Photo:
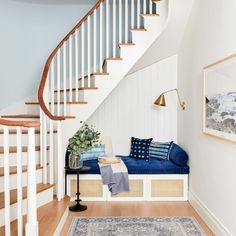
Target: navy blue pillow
[
  {"x": 140, "y": 148},
  {"x": 178, "y": 155}
]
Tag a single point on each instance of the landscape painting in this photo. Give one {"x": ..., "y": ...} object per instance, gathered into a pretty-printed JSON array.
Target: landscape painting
[{"x": 220, "y": 99}]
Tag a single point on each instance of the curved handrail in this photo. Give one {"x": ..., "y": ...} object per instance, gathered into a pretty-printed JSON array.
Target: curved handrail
[
  {"x": 27, "y": 124},
  {"x": 49, "y": 60}
]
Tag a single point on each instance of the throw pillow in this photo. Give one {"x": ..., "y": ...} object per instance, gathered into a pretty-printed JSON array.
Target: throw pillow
[
  {"x": 93, "y": 153},
  {"x": 160, "y": 150},
  {"x": 178, "y": 155},
  {"x": 140, "y": 148}
]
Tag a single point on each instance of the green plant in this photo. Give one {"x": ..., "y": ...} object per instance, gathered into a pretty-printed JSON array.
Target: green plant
[{"x": 84, "y": 139}]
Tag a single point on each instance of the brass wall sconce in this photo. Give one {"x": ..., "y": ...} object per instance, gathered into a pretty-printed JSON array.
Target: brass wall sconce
[{"x": 160, "y": 101}]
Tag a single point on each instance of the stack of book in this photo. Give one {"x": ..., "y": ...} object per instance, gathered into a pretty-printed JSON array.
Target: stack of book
[{"x": 109, "y": 160}]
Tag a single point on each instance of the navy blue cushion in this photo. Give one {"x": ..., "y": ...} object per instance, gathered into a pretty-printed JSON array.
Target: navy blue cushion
[
  {"x": 160, "y": 150},
  {"x": 140, "y": 166},
  {"x": 178, "y": 155},
  {"x": 140, "y": 148}
]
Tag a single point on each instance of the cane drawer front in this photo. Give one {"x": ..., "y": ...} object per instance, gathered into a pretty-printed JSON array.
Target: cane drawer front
[
  {"x": 88, "y": 188},
  {"x": 167, "y": 188}
]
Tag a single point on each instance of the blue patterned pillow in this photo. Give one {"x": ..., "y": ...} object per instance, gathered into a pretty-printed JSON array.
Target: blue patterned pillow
[
  {"x": 93, "y": 153},
  {"x": 160, "y": 150},
  {"x": 140, "y": 148}
]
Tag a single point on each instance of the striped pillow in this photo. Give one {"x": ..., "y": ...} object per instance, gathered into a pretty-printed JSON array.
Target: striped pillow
[
  {"x": 160, "y": 150},
  {"x": 93, "y": 153}
]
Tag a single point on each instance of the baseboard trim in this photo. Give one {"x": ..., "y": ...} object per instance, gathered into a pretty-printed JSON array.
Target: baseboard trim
[
  {"x": 211, "y": 220},
  {"x": 61, "y": 223}
]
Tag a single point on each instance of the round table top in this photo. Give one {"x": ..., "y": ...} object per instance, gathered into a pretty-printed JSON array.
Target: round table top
[{"x": 83, "y": 168}]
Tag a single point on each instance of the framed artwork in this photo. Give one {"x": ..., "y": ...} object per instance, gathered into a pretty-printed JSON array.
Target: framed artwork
[{"x": 219, "y": 99}]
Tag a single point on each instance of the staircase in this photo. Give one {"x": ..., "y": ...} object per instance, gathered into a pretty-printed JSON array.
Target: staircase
[{"x": 79, "y": 74}]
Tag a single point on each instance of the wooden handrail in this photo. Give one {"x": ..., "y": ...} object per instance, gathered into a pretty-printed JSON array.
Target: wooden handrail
[
  {"x": 49, "y": 60},
  {"x": 27, "y": 124}
]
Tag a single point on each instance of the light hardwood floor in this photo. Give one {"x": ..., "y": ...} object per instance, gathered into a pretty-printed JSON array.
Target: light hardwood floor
[{"x": 99, "y": 209}]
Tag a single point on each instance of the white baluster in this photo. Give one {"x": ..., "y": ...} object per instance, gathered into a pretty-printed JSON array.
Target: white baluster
[
  {"x": 52, "y": 88},
  {"x": 120, "y": 21},
  {"x": 132, "y": 14},
  {"x": 32, "y": 223},
  {"x": 114, "y": 28},
  {"x": 44, "y": 124},
  {"x": 51, "y": 156},
  {"x": 150, "y": 7},
  {"x": 64, "y": 79},
  {"x": 126, "y": 22},
  {"x": 101, "y": 38},
  {"x": 70, "y": 68},
  {"x": 82, "y": 55},
  {"x": 59, "y": 162},
  {"x": 144, "y": 6},
  {"x": 58, "y": 79},
  {"x": 95, "y": 41},
  {"x": 41, "y": 136},
  {"x": 19, "y": 180},
  {"x": 138, "y": 14},
  {"x": 76, "y": 67},
  {"x": 107, "y": 29},
  {"x": 6, "y": 181},
  {"x": 88, "y": 50}
]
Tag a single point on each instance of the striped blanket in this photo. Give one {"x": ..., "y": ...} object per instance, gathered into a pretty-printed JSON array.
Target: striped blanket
[{"x": 115, "y": 176}]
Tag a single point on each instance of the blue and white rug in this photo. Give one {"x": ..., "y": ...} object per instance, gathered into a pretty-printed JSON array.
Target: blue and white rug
[{"x": 135, "y": 226}]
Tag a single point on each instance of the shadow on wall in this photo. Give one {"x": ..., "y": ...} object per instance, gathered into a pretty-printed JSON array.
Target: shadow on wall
[{"x": 56, "y": 2}]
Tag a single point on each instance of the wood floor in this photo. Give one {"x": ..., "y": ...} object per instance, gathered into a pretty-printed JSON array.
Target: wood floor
[{"x": 99, "y": 209}]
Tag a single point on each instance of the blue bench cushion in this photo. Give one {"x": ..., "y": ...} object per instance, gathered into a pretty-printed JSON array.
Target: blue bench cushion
[{"x": 139, "y": 166}]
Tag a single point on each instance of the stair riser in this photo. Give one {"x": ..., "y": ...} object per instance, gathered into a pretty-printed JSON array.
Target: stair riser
[
  {"x": 42, "y": 198},
  {"x": 12, "y": 158},
  {"x": 24, "y": 140},
  {"x": 13, "y": 180},
  {"x": 80, "y": 95}
]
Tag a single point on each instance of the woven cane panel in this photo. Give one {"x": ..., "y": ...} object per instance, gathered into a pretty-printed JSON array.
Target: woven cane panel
[
  {"x": 88, "y": 188},
  {"x": 135, "y": 187},
  {"x": 167, "y": 188}
]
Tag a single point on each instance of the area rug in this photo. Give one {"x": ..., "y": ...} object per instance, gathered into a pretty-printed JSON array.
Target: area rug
[{"x": 135, "y": 226}]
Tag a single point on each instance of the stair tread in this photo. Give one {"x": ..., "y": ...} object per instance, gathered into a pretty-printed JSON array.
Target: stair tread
[
  {"x": 113, "y": 59},
  {"x": 136, "y": 29},
  {"x": 21, "y": 116},
  {"x": 142, "y": 14},
  {"x": 13, "y": 149},
  {"x": 95, "y": 73},
  {"x": 13, "y": 131},
  {"x": 13, "y": 193},
  {"x": 126, "y": 44},
  {"x": 74, "y": 89},
  {"x": 48, "y": 217},
  {"x": 13, "y": 169},
  {"x": 55, "y": 103}
]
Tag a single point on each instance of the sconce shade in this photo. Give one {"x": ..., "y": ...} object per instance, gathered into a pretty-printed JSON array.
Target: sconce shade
[{"x": 160, "y": 101}]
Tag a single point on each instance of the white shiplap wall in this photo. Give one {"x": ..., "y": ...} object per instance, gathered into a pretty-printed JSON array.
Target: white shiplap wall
[{"x": 129, "y": 110}]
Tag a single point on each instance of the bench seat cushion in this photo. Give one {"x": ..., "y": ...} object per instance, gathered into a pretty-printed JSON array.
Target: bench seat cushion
[{"x": 139, "y": 166}]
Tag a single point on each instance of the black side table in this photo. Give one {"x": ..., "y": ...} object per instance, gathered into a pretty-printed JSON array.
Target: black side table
[{"x": 78, "y": 206}]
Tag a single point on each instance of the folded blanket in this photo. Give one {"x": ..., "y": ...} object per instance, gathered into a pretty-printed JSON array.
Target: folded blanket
[{"x": 115, "y": 176}]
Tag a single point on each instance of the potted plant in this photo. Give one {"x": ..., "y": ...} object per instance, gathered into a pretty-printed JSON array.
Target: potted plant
[{"x": 84, "y": 139}]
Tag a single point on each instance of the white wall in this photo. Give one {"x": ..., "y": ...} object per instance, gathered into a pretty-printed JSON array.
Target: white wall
[
  {"x": 168, "y": 42},
  {"x": 210, "y": 36},
  {"x": 30, "y": 30},
  {"x": 129, "y": 109}
]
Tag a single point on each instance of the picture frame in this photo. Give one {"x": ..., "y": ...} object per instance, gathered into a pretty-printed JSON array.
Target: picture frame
[{"x": 219, "y": 99}]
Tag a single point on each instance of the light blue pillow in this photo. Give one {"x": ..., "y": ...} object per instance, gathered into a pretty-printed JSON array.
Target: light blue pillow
[
  {"x": 160, "y": 150},
  {"x": 93, "y": 153}
]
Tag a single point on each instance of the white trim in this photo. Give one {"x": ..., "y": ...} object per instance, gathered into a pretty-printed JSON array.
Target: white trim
[
  {"x": 211, "y": 220},
  {"x": 61, "y": 223}
]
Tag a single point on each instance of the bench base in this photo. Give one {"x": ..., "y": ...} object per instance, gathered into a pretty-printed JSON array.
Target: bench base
[{"x": 142, "y": 188}]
